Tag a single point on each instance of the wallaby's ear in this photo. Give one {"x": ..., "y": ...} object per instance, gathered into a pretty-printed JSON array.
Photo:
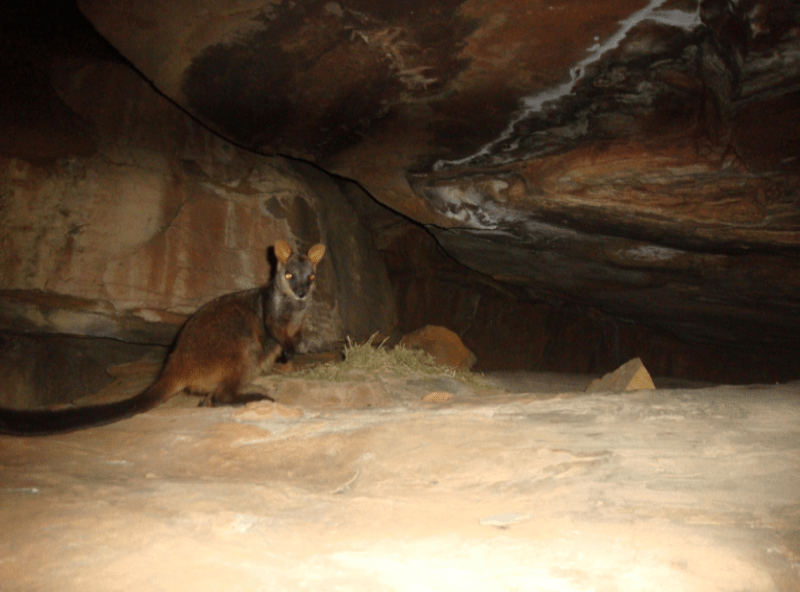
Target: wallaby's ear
[
  {"x": 282, "y": 251},
  {"x": 315, "y": 253}
]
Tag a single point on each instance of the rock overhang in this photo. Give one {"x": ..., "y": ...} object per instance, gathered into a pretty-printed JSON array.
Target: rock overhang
[{"x": 638, "y": 157}]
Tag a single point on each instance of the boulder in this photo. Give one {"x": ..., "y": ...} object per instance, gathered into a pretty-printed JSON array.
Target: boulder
[
  {"x": 631, "y": 376},
  {"x": 444, "y": 346}
]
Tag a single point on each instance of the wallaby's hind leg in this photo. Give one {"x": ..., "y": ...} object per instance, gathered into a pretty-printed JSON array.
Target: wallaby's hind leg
[
  {"x": 251, "y": 363},
  {"x": 239, "y": 400},
  {"x": 228, "y": 394},
  {"x": 245, "y": 398}
]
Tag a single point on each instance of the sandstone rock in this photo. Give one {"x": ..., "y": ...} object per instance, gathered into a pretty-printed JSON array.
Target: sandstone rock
[
  {"x": 127, "y": 239},
  {"x": 646, "y": 169},
  {"x": 690, "y": 491},
  {"x": 634, "y": 193},
  {"x": 631, "y": 376},
  {"x": 444, "y": 346},
  {"x": 293, "y": 391},
  {"x": 510, "y": 331},
  {"x": 38, "y": 370},
  {"x": 438, "y": 397}
]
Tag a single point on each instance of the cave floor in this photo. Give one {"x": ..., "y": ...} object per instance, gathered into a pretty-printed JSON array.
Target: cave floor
[{"x": 520, "y": 483}]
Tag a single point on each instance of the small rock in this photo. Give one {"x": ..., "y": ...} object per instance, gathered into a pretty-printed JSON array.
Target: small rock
[
  {"x": 444, "y": 346},
  {"x": 631, "y": 376},
  {"x": 438, "y": 397}
]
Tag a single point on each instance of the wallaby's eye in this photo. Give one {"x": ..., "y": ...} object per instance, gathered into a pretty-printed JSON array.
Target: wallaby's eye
[
  {"x": 312, "y": 277},
  {"x": 288, "y": 275}
]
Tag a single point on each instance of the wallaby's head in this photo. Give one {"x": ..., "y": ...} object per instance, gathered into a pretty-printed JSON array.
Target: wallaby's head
[{"x": 296, "y": 273}]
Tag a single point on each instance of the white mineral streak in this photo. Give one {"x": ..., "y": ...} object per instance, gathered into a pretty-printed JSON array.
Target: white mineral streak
[{"x": 534, "y": 103}]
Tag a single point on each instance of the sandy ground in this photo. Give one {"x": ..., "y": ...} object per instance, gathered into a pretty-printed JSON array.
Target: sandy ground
[{"x": 524, "y": 483}]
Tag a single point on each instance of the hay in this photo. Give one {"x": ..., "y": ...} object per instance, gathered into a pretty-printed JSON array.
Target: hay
[{"x": 368, "y": 360}]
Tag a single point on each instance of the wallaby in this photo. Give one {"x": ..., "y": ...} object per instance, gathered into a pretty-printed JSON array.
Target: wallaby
[{"x": 223, "y": 346}]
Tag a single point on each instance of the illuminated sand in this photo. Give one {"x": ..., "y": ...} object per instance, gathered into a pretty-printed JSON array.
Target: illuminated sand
[{"x": 362, "y": 486}]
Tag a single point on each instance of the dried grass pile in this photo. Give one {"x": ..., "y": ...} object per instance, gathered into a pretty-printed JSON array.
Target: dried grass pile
[{"x": 369, "y": 360}]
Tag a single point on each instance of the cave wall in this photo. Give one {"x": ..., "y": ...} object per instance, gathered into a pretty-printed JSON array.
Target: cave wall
[
  {"x": 160, "y": 217},
  {"x": 508, "y": 330},
  {"x": 120, "y": 215},
  {"x": 635, "y": 157},
  {"x": 47, "y": 369}
]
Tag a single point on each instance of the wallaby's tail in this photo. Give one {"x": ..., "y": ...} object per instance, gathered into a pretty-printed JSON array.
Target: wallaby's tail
[{"x": 39, "y": 423}]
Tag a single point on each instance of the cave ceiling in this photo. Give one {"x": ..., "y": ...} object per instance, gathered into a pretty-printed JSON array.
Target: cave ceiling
[{"x": 640, "y": 158}]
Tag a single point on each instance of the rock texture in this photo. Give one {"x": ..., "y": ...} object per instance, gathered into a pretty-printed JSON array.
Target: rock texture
[
  {"x": 41, "y": 370},
  {"x": 508, "y": 330},
  {"x": 638, "y": 157},
  {"x": 653, "y": 491},
  {"x": 443, "y": 345},
  {"x": 143, "y": 214},
  {"x": 631, "y": 376}
]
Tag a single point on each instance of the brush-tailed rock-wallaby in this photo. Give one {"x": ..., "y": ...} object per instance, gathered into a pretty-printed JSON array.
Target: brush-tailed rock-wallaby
[{"x": 223, "y": 346}]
